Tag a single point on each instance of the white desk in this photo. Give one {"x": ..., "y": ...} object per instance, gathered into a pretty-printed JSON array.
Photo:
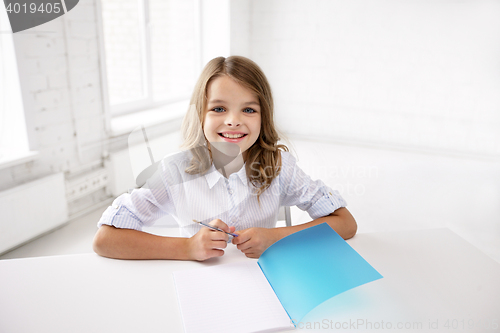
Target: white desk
[{"x": 430, "y": 276}]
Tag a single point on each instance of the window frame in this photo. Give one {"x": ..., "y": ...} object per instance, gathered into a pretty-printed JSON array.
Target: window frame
[
  {"x": 148, "y": 102},
  {"x": 19, "y": 150}
]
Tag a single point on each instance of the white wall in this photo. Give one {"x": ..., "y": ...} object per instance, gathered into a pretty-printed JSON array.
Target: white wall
[
  {"x": 214, "y": 29},
  {"x": 240, "y": 27},
  {"x": 388, "y": 190},
  {"x": 413, "y": 74}
]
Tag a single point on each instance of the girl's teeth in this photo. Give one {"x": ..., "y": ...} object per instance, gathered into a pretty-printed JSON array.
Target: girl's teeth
[{"x": 232, "y": 136}]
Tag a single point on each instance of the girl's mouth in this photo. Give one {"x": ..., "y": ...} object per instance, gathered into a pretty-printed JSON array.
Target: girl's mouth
[{"x": 232, "y": 137}]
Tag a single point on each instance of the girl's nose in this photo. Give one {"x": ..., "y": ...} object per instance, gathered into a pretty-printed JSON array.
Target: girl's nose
[{"x": 233, "y": 119}]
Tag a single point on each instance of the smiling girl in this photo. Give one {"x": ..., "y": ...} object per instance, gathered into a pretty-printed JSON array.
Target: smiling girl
[{"x": 233, "y": 175}]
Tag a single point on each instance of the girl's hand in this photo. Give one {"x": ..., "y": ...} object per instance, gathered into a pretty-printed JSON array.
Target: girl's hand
[
  {"x": 254, "y": 241},
  {"x": 208, "y": 243}
]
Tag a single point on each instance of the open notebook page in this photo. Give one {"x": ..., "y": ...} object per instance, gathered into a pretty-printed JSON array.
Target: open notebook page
[{"x": 229, "y": 298}]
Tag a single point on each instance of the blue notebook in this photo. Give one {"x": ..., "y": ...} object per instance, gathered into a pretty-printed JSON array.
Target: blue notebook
[{"x": 291, "y": 278}]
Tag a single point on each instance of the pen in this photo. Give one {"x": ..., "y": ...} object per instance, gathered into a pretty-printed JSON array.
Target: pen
[{"x": 215, "y": 228}]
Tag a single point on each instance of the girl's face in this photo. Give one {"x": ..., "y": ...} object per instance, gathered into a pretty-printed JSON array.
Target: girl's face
[{"x": 232, "y": 115}]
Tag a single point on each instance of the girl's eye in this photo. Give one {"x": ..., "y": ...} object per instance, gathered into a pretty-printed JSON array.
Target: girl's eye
[
  {"x": 249, "y": 110},
  {"x": 218, "y": 109}
]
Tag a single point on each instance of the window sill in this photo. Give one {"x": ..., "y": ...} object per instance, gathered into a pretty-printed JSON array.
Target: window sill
[
  {"x": 12, "y": 158},
  {"x": 125, "y": 124}
]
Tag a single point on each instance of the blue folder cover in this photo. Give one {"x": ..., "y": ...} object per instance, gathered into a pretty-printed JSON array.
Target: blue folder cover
[{"x": 311, "y": 266}]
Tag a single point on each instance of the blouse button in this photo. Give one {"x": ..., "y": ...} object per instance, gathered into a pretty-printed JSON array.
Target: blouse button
[{"x": 230, "y": 191}]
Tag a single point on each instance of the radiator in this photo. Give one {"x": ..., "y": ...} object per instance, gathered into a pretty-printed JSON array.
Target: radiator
[{"x": 31, "y": 209}]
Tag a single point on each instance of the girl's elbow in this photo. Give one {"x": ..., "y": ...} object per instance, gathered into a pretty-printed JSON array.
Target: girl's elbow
[
  {"x": 97, "y": 244},
  {"x": 352, "y": 229},
  {"x": 349, "y": 225},
  {"x": 101, "y": 241}
]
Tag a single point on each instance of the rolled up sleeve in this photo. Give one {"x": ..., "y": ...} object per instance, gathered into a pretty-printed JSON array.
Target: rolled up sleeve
[
  {"x": 140, "y": 208},
  {"x": 298, "y": 189}
]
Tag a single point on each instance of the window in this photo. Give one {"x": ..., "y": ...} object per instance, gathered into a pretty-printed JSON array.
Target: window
[
  {"x": 13, "y": 136},
  {"x": 151, "y": 52}
]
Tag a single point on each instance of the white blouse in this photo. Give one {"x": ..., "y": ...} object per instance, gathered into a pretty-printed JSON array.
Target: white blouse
[{"x": 210, "y": 196}]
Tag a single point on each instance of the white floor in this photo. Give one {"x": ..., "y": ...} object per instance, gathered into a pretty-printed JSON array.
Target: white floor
[{"x": 385, "y": 190}]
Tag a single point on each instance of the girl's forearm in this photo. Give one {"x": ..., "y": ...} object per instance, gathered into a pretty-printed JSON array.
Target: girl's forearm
[
  {"x": 118, "y": 243},
  {"x": 340, "y": 220}
]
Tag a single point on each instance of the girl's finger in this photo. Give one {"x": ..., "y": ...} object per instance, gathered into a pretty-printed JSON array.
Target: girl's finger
[
  {"x": 244, "y": 247},
  {"x": 215, "y": 253},
  {"x": 218, "y": 236},
  {"x": 218, "y": 244},
  {"x": 242, "y": 238}
]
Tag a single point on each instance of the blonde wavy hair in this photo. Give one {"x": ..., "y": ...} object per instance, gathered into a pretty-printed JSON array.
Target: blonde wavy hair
[{"x": 265, "y": 154}]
